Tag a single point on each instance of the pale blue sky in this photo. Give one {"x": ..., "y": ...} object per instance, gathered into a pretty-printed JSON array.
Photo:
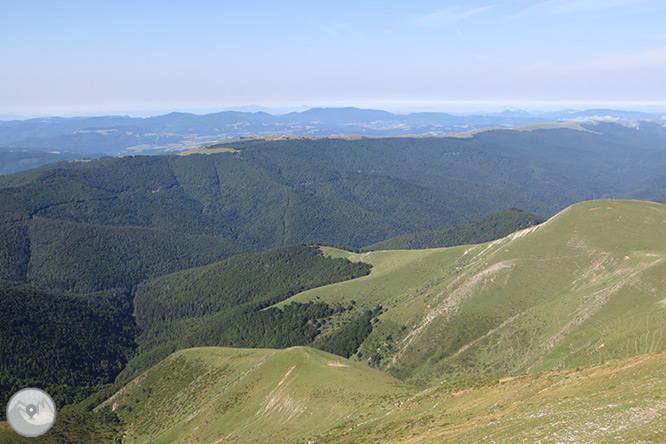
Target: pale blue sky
[{"x": 74, "y": 57}]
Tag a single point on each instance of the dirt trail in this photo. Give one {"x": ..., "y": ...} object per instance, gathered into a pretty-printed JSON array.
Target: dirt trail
[
  {"x": 286, "y": 375},
  {"x": 279, "y": 401}
]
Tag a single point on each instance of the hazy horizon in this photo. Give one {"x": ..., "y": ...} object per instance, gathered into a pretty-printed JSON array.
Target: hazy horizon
[
  {"x": 457, "y": 108},
  {"x": 82, "y": 58}
]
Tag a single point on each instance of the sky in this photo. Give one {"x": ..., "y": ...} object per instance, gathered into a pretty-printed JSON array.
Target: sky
[{"x": 149, "y": 57}]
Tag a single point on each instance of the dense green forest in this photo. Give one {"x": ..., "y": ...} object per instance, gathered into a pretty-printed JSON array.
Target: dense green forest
[
  {"x": 346, "y": 340},
  {"x": 69, "y": 345},
  {"x": 485, "y": 229},
  {"x": 132, "y": 218},
  {"x": 83, "y": 257},
  {"x": 244, "y": 278}
]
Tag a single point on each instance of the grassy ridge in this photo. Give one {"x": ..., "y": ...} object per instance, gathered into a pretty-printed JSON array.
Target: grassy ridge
[
  {"x": 578, "y": 290},
  {"x": 250, "y": 396},
  {"x": 303, "y": 395}
]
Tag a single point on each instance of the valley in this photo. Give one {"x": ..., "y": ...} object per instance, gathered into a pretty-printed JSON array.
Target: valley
[
  {"x": 553, "y": 333},
  {"x": 333, "y": 222},
  {"x": 234, "y": 312}
]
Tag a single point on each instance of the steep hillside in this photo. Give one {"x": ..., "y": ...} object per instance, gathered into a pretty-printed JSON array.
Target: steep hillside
[
  {"x": 584, "y": 287},
  {"x": 619, "y": 401},
  {"x": 250, "y": 396},
  {"x": 72, "y": 427},
  {"x": 228, "y": 304},
  {"x": 82, "y": 257}
]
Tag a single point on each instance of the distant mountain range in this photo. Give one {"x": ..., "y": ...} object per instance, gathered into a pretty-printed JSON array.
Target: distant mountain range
[{"x": 29, "y": 143}]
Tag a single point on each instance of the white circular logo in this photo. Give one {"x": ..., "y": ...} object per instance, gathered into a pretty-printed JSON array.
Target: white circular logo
[{"x": 31, "y": 412}]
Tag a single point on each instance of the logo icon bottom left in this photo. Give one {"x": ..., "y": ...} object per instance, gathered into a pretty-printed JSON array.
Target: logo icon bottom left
[{"x": 31, "y": 412}]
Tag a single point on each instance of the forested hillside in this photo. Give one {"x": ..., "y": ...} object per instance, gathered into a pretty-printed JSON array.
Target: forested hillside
[
  {"x": 202, "y": 291},
  {"x": 487, "y": 228},
  {"x": 69, "y": 345},
  {"x": 114, "y": 222}
]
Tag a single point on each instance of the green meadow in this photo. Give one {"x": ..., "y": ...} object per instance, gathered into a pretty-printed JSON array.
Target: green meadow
[{"x": 253, "y": 396}]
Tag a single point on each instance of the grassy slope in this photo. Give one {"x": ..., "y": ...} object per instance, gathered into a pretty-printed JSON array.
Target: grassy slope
[
  {"x": 395, "y": 276},
  {"x": 250, "y": 396},
  {"x": 581, "y": 289},
  {"x": 620, "y": 401},
  {"x": 294, "y": 396},
  {"x": 70, "y": 427}
]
